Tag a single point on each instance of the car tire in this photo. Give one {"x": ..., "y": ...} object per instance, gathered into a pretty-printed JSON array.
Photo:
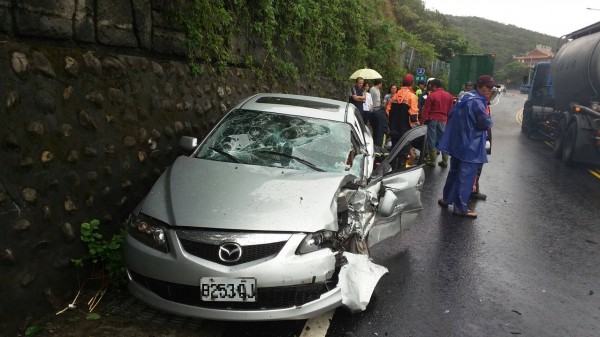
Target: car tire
[{"x": 569, "y": 143}]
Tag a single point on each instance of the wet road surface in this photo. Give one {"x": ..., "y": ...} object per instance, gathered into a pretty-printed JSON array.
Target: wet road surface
[{"x": 528, "y": 265}]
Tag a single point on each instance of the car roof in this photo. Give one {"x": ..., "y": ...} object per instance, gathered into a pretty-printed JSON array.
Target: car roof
[{"x": 298, "y": 105}]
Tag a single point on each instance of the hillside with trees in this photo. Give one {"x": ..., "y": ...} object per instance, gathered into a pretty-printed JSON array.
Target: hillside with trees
[
  {"x": 456, "y": 34},
  {"x": 505, "y": 41}
]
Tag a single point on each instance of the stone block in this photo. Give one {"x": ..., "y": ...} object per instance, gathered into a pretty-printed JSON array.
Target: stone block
[
  {"x": 168, "y": 41},
  {"x": 5, "y": 16},
  {"x": 114, "y": 23},
  {"x": 50, "y": 19},
  {"x": 84, "y": 22},
  {"x": 142, "y": 15}
]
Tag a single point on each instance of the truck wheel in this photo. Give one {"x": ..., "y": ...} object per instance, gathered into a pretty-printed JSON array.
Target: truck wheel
[
  {"x": 559, "y": 138},
  {"x": 527, "y": 126},
  {"x": 569, "y": 142}
]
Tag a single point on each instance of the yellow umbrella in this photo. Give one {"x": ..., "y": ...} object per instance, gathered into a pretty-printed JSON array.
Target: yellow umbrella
[{"x": 366, "y": 73}]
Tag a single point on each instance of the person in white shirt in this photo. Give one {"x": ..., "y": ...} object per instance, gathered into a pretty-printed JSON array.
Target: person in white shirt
[{"x": 368, "y": 104}]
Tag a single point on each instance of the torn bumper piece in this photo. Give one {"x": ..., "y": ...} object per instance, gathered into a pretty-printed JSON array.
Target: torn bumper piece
[{"x": 357, "y": 281}]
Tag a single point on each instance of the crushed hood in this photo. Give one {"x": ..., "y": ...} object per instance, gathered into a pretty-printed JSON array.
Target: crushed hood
[{"x": 203, "y": 193}]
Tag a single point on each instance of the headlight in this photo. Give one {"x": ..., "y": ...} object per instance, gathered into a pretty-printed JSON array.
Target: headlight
[
  {"x": 315, "y": 241},
  {"x": 149, "y": 231}
]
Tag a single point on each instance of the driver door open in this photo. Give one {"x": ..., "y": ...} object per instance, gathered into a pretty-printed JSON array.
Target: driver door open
[{"x": 401, "y": 172}]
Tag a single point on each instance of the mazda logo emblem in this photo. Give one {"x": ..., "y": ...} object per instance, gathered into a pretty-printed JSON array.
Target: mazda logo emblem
[{"x": 230, "y": 252}]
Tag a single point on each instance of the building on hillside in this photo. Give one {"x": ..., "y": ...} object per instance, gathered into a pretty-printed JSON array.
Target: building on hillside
[{"x": 541, "y": 53}]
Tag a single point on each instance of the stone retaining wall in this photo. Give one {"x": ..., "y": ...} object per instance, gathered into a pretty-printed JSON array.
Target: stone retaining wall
[{"x": 84, "y": 134}]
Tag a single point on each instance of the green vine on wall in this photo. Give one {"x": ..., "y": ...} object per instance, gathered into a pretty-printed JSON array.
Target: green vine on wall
[
  {"x": 287, "y": 38},
  {"x": 307, "y": 36},
  {"x": 209, "y": 27}
]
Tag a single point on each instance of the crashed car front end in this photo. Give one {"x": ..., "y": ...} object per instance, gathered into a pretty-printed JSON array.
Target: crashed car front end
[
  {"x": 295, "y": 275},
  {"x": 278, "y": 295}
]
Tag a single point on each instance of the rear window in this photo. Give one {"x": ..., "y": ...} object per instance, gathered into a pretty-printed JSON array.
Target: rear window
[{"x": 298, "y": 102}]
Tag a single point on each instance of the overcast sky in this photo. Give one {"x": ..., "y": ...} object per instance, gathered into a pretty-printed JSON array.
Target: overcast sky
[{"x": 552, "y": 17}]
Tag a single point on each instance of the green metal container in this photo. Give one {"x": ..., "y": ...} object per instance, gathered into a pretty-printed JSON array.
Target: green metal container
[{"x": 468, "y": 67}]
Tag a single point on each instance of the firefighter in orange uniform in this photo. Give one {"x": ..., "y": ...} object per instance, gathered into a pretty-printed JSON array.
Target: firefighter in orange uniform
[{"x": 403, "y": 109}]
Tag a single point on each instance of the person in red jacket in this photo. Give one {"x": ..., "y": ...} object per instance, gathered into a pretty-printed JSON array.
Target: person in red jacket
[{"x": 435, "y": 116}]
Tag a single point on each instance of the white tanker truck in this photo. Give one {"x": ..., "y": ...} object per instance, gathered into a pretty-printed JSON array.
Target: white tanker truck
[{"x": 564, "y": 101}]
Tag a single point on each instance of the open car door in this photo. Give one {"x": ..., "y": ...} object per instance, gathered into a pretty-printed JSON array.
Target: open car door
[{"x": 400, "y": 173}]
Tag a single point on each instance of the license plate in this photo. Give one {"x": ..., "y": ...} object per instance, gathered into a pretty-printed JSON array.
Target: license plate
[{"x": 224, "y": 289}]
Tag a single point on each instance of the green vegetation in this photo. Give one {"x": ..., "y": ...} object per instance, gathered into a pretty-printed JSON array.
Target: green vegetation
[
  {"x": 336, "y": 37},
  {"x": 106, "y": 255},
  {"x": 312, "y": 37},
  {"x": 33, "y": 330},
  {"x": 512, "y": 74}
]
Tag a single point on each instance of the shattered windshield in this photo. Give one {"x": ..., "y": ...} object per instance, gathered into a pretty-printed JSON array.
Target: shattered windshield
[{"x": 277, "y": 140}]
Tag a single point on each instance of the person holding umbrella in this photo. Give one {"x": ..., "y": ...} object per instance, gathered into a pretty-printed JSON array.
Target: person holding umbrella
[{"x": 357, "y": 96}]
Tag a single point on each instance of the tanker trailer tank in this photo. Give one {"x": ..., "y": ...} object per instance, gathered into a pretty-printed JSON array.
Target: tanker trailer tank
[{"x": 576, "y": 72}]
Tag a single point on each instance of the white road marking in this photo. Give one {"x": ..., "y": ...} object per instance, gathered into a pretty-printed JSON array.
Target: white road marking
[{"x": 318, "y": 326}]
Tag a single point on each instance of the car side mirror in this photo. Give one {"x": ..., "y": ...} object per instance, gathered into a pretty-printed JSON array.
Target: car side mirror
[
  {"x": 188, "y": 143},
  {"x": 387, "y": 204}
]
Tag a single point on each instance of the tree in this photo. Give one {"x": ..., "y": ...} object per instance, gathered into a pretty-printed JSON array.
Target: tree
[{"x": 512, "y": 73}]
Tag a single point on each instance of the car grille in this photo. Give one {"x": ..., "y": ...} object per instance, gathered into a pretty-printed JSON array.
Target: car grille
[
  {"x": 210, "y": 252},
  {"x": 267, "y": 298}
]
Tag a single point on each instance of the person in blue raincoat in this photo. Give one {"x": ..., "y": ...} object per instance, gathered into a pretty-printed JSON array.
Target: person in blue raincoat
[{"x": 464, "y": 140}]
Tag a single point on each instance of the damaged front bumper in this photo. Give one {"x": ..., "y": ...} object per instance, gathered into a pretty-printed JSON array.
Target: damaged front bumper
[
  {"x": 289, "y": 286},
  {"x": 357, "y": 281},
  {"x": 327, "y": 302}
]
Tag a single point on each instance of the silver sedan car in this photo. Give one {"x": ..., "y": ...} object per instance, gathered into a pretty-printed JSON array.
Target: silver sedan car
[{"x": 272, "y": 215}]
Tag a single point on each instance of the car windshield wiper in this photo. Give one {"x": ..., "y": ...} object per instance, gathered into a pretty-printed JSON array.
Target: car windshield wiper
[
  {"x": 303, "y": 161},
  {"x": 226, "y": 154}
]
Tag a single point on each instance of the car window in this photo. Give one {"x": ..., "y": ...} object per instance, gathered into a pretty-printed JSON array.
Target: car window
[
  {"x": 406, "y": 154},
  {"x": 280, "y": 140}
]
